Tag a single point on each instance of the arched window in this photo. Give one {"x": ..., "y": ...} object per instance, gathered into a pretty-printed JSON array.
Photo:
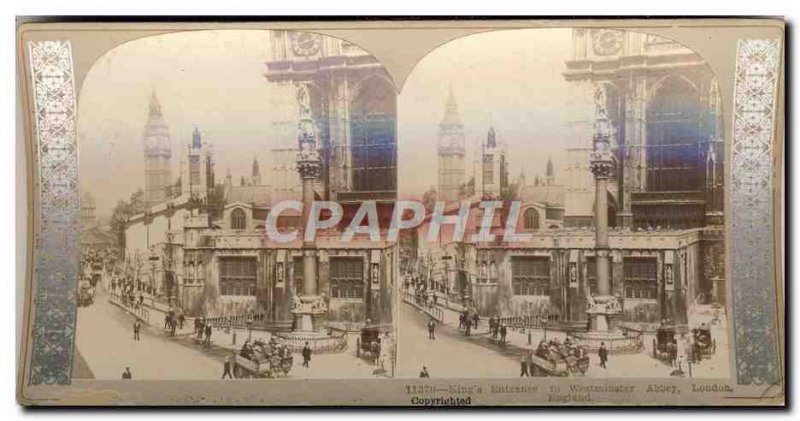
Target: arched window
[
  {"x": 238, "y": 219},
  {"x": 531, "y": 219},
  {"x": 675, "y": 156},
  {"x": 373, "y": 118}
]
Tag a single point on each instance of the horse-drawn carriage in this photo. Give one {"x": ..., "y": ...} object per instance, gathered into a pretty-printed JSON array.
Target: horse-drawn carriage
[
  {"x": 553, "y": 358},
  {"x": 704, "y": 344},
  {"x": 665, "y": 344},
  {"x": 263, "y": 360},
  {"x": 96, "y": 273},
  {"x": 368, "y": 344},
  {"x": 85, "y": 294}
]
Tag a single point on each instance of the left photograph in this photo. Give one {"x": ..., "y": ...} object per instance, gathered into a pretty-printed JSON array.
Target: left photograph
[{"x": 229, "y": 180}]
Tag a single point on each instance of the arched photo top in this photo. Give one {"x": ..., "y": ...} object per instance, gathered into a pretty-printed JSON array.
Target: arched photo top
[
  {"x": 238, "y": 90},
  {"x": 533, "y": 91}
]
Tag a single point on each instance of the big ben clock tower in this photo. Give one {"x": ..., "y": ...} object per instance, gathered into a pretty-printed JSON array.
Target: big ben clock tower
[
  {"x": 451, "y": 152},
  {"x": 157, "y": 155}
]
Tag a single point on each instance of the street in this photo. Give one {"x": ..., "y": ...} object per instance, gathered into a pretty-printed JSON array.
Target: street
[
  {"x": 452, "y": 355},
  {"x": 105, "y": 346},
  {"x": 449, "y": 356},
  {"x": 104, "y": 337}
]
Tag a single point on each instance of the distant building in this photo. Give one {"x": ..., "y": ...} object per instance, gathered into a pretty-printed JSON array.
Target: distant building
[
  {"x": 450, "y": 150},
  {"x": 157, "y": 155},
  {"x": 493, "y": 180},
  {"x": 87, "y": 209}
]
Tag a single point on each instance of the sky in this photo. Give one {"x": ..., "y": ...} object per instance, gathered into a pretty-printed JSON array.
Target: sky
[
  {"x": 214, "y": 79},
  {"x": 511, "y": 80}
]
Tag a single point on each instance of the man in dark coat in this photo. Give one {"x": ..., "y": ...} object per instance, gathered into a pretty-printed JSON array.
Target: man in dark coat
[
  {"x": 503, "y": 332},
  {"x": 424, "y": 373},
  {"x": 306, "y": 355},
  {"x": 226, "y": 368},
  {"x": 603, "y": 354},
  {"x": 523, "y": 366},
  {"x": 136, "y": 327},
  {"x": 431, "y": 329},
  {"x": 207, "y": 342}
]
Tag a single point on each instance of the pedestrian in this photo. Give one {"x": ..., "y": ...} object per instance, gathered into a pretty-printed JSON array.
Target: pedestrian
[
  {"x": 166, "y": 321},
  {"x": 201, "y": 328},
  {"x": 375, "y": 351},
  {"x": 468, "y": 326},
  {"x": 126, "y": 375},
  {"x": 523, "y": 366},
  {"x": 431, "y": 329},
  {"x": 207, "y": 342},
  {"x": 227, "y": 368},
  {"x": 306, "y": 355},
  {"x": 181, "y": 320},
  {"x": 172, "y": 325},
  {"x": 503, "y": 332},
  {"x": 603, "y": 354},
  {"x": 136, "y": 327},
  {"x": 424, "y": 373},
  {"x": 475, "y": 319}
]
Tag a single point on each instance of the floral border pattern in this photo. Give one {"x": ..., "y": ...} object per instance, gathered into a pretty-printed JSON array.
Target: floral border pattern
[
  {"x": 56, "y": 249},
  {"x": 752, "y": 254}
]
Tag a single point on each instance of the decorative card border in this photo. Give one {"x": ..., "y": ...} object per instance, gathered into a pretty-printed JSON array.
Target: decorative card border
[
  {"x": 56, "y": 239},
  {"x": 752, "y": 235}
]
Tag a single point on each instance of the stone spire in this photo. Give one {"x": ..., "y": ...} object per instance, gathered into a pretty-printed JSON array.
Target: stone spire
[
  {"x": 491, "y": 138},
  {"x": 197, "y": 141},
  {"x": 155, "y": 105},
  {"x": 451, "y": 117},
  {"x": 550, "y": 175},
  {"x": 256, "y": 173}
]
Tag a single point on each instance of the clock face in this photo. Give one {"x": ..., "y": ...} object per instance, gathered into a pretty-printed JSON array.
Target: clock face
[
  {"x": 305, "y": 44},
  {"x": 606, "y": 42}
]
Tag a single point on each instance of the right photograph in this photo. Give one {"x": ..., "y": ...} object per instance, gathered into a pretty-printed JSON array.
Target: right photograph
[{"x": 573, "y": 184}]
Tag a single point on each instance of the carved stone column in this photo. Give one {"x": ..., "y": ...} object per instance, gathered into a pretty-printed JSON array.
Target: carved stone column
[{"x": 309, "y": 308}]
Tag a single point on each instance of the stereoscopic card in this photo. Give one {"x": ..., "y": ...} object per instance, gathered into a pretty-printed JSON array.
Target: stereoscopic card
[{"x": 512, "y": 212}]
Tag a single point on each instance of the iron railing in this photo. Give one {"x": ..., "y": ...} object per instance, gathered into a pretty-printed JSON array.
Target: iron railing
[{"x": 131, "y": 306}]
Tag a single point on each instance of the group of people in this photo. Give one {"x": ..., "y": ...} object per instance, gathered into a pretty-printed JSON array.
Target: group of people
[
  {"x": 553, "y": 350},
  {"x": 468, "y": 320},
  {"x": 573, "y": 354},
  {"x": 498, "y": 329},
  {"x": 173, "y": 321},
  {"x": 202, "y": 330}
]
